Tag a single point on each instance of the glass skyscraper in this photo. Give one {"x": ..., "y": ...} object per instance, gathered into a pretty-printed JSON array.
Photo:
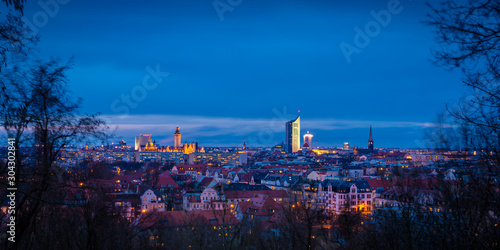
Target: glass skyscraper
[{"x": 293, "y": 135}]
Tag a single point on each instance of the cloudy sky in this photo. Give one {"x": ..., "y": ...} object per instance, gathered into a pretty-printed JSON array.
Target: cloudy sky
[{"x": 233, "y": 70}]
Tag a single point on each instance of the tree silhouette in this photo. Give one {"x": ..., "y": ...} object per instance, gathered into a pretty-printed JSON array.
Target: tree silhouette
[{"x": 42, "y": 117}]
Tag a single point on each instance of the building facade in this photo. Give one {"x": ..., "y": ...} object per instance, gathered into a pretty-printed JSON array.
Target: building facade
[
  {"x": 293, "y": 135},
  {"x": 141, "y": 141}
]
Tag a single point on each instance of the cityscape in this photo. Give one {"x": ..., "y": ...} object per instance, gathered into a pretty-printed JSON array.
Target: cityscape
[{"x": 155, "y": 125}]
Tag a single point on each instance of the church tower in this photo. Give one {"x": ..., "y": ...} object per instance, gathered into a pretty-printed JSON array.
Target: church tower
[
  {"x": 370, "y": 140},
  {"x": 177, "y": 138}
]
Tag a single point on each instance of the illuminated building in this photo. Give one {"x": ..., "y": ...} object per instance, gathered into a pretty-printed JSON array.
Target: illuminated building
[
  {"x": 324, "y": 151},
  {"x": 370, "y": 140},
  {"x": 293, "y": 135},
  {"x": 186, "y": 148},
  {"x": 224, "y": 159},
  {"x": 336, "y": 197},
  {"x": 346, "y": 146},
  {"x": 177, "y": 138},
  {"x": 141, "y": 141},
  {"x": 308, "y": 140},
  {"x": 123, "y": 144},
  {"x": 162, "y": 157},
  {"x": 151, "y": 200},
  {"x": 150, "y": 146}
]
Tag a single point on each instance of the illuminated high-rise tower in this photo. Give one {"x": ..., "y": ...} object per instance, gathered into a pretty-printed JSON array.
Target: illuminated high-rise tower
[
  {"x": 308, "y": 140},
  {"x": 370, "y": 140},
  {"x": 293, "y": 135},
  {"x": 177, "y": 138},
  {"x": 141, "y": 141}
]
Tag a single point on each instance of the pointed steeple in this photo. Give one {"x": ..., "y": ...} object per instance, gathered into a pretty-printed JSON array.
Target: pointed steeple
[{"x": 370, "y": 140}]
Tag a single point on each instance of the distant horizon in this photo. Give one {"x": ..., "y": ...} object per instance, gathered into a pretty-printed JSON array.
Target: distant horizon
[
  {"x": 205, "y": 71},
  {"x": 230, "y": 132}
]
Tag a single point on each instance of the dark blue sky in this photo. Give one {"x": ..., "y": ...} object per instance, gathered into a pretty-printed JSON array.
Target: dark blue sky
[{"x": 230, "y": 80}]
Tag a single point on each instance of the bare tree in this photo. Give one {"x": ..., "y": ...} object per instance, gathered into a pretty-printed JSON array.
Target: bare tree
[
  {"x": 468, "y": 33},
  {"x": 16, "y": 40},
  {"x": 18, "y": 4},
  {"x": 469, "y": 36},
  {"x": 302, "y": 224},
  {"x": 43, "y": 118}
]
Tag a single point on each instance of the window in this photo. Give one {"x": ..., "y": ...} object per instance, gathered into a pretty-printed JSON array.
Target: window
[{"x": 368, "y": 196}]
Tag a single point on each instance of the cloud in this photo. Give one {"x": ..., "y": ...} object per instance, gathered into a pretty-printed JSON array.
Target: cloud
[
  {"x": 229, "y": 131},
  {"x": 201, "y": 126}
]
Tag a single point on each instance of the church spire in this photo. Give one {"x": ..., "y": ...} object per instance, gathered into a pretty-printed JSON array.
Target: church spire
[{"x": 370, "y": 140}]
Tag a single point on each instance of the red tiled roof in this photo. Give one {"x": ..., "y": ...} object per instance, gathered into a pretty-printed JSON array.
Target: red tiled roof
[
  {"x": 247, "y": 194},
  {"x": 374, "y": 184},
  {"x": 165, "y": 180},
  {"x": 260, "y": 205},
  {"x": 245, "y": 177},
  {"x": 185, "y": 218}
]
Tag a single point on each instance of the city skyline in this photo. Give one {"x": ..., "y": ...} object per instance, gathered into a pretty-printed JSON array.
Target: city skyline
[
  {"x": 292, "y": 140},
  {"x": 234, "y": 124},
  {"x": 268, "y": 133},
  {"x": 241, "y": 63}
]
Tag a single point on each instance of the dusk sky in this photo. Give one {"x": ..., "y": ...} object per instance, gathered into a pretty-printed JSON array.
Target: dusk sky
[{"x": 242, "y": 74}]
